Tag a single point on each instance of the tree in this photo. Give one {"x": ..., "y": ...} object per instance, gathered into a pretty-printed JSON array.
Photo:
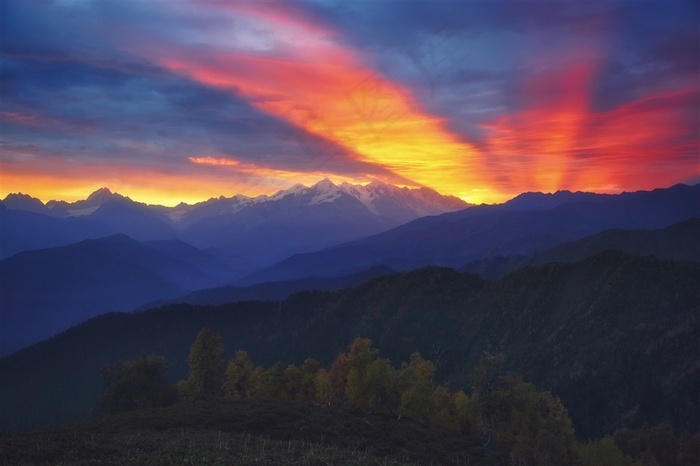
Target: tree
[
  {"x": 360, "y": 390},
  {"x": 487, "y": 384},
  {"x": 206, "y": 364},
  {"x": 384, "y": 381},
  {"x": 417, "y": 388},
  {"x": 137, "y": 384},
  {"x": 293, "y": 382},
  {"x": 238, "y": 374},
  {"x": 324, "y": 390},
  {"x": 307, "y": 389},
  {"x": 534, "y": 426},
  {"x": 338, "y": 377}
]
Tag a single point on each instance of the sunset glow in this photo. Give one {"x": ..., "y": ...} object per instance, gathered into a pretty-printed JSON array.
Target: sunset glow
[{"x": 185, "y": 101}]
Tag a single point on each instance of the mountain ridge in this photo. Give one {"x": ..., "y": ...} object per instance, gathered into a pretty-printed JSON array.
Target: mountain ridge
[
  {"x": 426, "y": 200},
  {"x": 250, "y": 227},
  {"x": 457, "y": 238},
  {"x": 84, "y": 279},
  {"x": 613, "y": 336}
]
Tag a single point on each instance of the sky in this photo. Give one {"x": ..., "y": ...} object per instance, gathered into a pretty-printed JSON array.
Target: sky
[{"x": 186, "y": 100}]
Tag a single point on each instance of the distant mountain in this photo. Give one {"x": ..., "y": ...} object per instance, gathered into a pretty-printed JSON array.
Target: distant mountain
[
  {"x": 134, "y": 219},
  {"x": 22, "y": 230},
  {"x": 19, "y": 201},
  {"x": 89, "y": 205},
  {"x": 270, "y": 228},
  {"x": 221, "y": 267},
  {"x": 260, "y": 230},
  {"x": 680, "y": 242},
  {"x": 480, "y": 232},
  {"x": 546, "y": 201},
  {"x": 614, "y": 336},
  {"x": 48, "y": 290},
  {"x": 273, "y": 291}
]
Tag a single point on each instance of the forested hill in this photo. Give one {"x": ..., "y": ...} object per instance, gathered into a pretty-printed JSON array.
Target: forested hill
[{"x": 615, "y": 336}]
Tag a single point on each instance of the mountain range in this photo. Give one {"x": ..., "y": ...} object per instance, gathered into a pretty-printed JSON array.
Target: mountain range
[
  {"x": 48, "y": 290},
  {"x": 680, "y": 241},
  {"x": 614, "y": 336},
  {"x": 526, "y": 225},
  {"x": 250, "y": 231},
  {"x": 101, "y": 269}
]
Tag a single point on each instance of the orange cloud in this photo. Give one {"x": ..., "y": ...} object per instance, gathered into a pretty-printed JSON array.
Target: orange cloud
[
  {"x": 271, "y": 178},
  {"x": 533, "y": 146},
  {"x": 647, "y": 143},
  {"x": 52, "y": 179},
  {"x": 327, "y": 91},
  {"x": 557, "y": 142}
]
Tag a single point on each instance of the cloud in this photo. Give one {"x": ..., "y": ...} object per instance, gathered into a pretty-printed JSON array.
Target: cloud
[{"x": 497, "y": 96}]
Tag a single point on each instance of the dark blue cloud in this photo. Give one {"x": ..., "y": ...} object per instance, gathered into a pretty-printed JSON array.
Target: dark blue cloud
[
  {"x": 470, "y": 61},
  {"x": 101, "y": 104},
  {"x": 70, "y": 69}
]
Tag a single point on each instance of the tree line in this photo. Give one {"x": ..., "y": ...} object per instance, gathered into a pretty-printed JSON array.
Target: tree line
[{"x": 502, "y": 412}]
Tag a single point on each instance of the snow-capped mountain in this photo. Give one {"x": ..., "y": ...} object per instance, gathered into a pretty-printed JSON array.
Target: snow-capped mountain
[
  {"x": 259, "y": 229},
  {"x": 380, "y": 199},
  {"x": 305, "y": 218}
]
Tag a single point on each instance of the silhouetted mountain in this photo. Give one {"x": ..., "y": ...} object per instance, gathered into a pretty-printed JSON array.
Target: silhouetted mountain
[
  {"x": 546, "y": 201},
  {"x": 48, "y": 290},
  {"x": 262, "y": 230},
  {"x": 615, "y": 336},
  {"x": 273, "y": 291},
  {"x": 23, "y": 230},
  {"x": 19, "y": 201},
  {"x": 134, "y": 219},
  {"x": 680, "y": 242},
  {"x": 217, "y": 266},
  {"x": 89, "y": 205},
  {"x": 480, "y": 232}
]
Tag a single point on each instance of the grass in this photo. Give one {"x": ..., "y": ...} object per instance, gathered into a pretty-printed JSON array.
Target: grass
[{"x": 240, "y": 432}]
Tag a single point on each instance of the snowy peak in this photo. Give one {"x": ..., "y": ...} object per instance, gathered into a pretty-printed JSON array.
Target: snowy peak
[
  {"x": 296, "y": 190},
  {"x": 325, "y": 185},
  {"x": 385, "y": 199},
  {"x": 324, "y": 191},
  {"x": 380, "y": 199}
]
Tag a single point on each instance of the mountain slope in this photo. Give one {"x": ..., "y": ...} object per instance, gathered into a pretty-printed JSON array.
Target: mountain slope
[
  {"x": 680, "y": 242},
  {"x": 270, "y": 231},
  {"x": 615, "y": 336},
  {"x": 265, "y": 431},
  {"x": 48, "y": 290},
  {"x": 480, "y": 232},
  {"x": 139, "y": 221},
  {"x": 20, "y": 201},
  {"x": 23, "y": 230},
  {"x": 267, "y": 229},
  {"x": 257, "y": 231},
  {"x": 274, "y": 291}
]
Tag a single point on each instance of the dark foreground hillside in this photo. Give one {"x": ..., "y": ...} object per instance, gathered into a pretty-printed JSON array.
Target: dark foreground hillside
[
  {"x": 242, "y": 432},
  {"x": 615, "y": 336},
  {"x": 282, "y": 432}
]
